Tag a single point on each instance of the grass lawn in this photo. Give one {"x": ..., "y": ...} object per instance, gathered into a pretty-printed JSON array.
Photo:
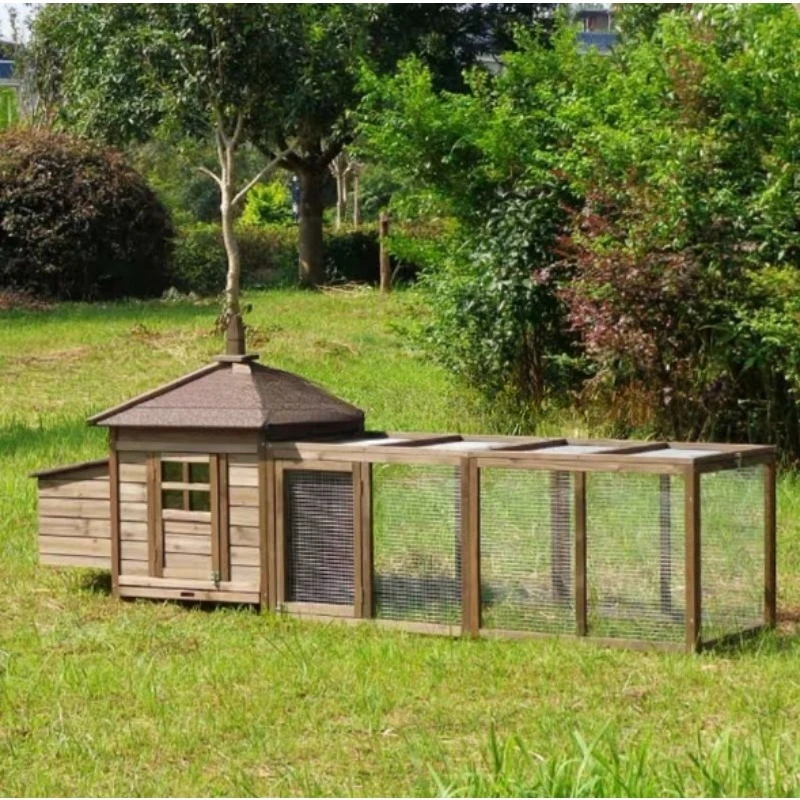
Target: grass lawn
[{"x": 100, "y": 697}]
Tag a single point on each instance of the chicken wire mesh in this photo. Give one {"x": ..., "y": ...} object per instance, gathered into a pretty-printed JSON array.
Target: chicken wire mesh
[
  {"x": 527, "y": 580},
  {"x": 635, "y": 556},
  {"x": 318, "y": 510},
  {"x": 732, "y": 550},
  {"x": 416, "y": 513}
]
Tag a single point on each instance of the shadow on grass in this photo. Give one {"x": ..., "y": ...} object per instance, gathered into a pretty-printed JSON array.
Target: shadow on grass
[{"x": 96, "y": 582}]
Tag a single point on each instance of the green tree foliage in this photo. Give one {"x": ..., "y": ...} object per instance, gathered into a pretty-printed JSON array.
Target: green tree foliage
[
  {"x": 662, "y": 239},
  {"x": 76, "y": 222}
]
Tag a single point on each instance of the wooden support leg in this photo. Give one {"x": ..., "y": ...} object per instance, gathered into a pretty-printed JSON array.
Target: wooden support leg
[
  {"x": 693, "y": 578},
  {"x": 559, "y": 531},
  {"x": 770, "y": 546},
  {"x": 665, "y": 530},
  {"x": 581, "y": 620}
]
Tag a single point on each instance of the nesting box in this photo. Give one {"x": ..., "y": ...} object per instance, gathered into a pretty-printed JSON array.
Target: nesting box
[{"x": 241, "y": 483}]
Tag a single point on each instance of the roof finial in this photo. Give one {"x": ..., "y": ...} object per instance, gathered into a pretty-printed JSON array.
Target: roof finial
[{"x": 234, "y": 336}]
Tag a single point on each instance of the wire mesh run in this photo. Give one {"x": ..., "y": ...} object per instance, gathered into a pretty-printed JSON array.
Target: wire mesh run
[
  {"x": 318, "y": 509},
  {"x": 732, "y": 550},
  {"x": 635, "y": 556},
  {"x": 527, "y": 540},
  {"x": 416, "y": 536}
]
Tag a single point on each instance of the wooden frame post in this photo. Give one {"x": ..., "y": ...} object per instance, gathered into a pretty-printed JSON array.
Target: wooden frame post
[
  {"x": 113, "y": 485},
  {"x": 559, "y": 533},
  {"x": 665, "y": 537},
  {"x": 470, "y": 547},
  {"x": 770, "y": 545},
  {"x": 266, "y": 527},
  {"x": 155, "y": 525},
  {"x": 692, "y": 515},
  {"x": 362, "y": 545},
  {"x": 579, "y": 495}
]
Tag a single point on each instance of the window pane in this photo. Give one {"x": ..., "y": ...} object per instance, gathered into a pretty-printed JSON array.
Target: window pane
[
  {"x": 172, "y": 498},
  {"x": 171, "y": 471},
  {"x": 199, "y": 501},
  {"x": 198, "y": 473}
]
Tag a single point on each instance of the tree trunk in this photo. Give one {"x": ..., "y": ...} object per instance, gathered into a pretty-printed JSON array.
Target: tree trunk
[
  {"x": 385, "y": 267},
  {"x": 356, "y": 200},
  {"x": 312, "y": 271}
]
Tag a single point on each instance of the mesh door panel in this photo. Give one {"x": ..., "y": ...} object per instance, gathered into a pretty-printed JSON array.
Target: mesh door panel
[
  {"x": 527, "y": 580},
  {"x": 635, "y": 556},
  {"x": 416, "y": 524},
  {"x": 732, "y": 550},
  {"x": 318, "y": 510}
]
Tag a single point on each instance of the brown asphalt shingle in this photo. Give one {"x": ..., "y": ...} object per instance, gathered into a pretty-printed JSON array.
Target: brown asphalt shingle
[{"x": 239, "y": 396}]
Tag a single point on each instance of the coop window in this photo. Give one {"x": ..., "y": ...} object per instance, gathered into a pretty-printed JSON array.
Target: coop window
[{"x": 185, "y": 485}]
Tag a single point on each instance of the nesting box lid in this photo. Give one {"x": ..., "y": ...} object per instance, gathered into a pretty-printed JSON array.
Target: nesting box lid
[{"x": 235, "y": 392}]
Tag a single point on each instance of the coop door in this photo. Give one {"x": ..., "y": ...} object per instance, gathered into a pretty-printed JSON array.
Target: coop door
[
  {"x": 318, "y": 536},
  {"x": 188, "y": 502}
]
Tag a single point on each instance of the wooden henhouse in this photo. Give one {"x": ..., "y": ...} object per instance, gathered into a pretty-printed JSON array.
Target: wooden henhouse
[{"x": 246, "y": 484}]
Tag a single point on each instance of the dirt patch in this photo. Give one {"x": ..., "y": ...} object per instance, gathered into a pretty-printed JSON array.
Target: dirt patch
[{"x": 11, "y": 300}]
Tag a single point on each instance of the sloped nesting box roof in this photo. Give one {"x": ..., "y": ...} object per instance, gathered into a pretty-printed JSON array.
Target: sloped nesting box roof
[{"x": 237, "y": 393}]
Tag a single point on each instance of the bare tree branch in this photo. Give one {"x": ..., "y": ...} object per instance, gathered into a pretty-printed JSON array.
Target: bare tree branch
[
  {"x": 242, "y": 193},
  {"x": 210, "y": 174}
]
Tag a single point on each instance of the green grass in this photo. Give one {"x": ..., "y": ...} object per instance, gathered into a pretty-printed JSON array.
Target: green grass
[{"x": 101, "y": 697}]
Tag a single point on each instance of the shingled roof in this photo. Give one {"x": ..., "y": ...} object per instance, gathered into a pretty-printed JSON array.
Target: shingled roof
[{"x": 237, "y": 393}]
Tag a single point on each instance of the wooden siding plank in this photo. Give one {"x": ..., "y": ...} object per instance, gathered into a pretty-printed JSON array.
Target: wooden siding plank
[
  {"x": 213, "y": 596},
  {"x": 74, "y": 526},
  {"x": 244, "y": 537},
  {"x": 187, "y": 528},
  {"x": 188, "y": 561},
  {"x": 132, "y": 473},
  {"x": 246, "y": 556},
  {"x": 243, "y": 477},
  {"x": 185, "y": 583},
  {"x": 243, "y": 496},
  {"x": 67, "y": 507},
  {"x": 176, "y": 515},
  {"x": 133, "y": 512},
  {"x": 248, "y": 575},
  {"x": 243, "y": 515},
  {"x": 192, "y": 545},
  {"x": 132, "y": 567},
  {"x": 93, "y": 489},
  {"x": 72, "y": 545},
  {"x": 133, "y": 531},
  {"x": 74, "y": 560},
  {"x": 133, "y": 551}
]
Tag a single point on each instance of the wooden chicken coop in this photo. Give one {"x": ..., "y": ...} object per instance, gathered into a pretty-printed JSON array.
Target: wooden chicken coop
[{"x": 245, "y": 484}]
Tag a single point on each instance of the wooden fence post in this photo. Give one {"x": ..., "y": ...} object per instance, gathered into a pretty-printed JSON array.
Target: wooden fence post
[
  {"x": 385, "y": 268},
  {"x": 770, "y": 547},
  {"x": 692, "y": 500}
]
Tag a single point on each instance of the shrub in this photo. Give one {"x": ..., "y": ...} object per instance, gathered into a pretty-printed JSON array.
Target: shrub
[
  {"x": 269, "y": 256},
  {"x": 268, "y": 203},
  {"x": 76, "y": 222}
]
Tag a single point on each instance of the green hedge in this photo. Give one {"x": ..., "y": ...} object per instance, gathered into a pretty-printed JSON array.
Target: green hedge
[{"x": 269, "y": 257}]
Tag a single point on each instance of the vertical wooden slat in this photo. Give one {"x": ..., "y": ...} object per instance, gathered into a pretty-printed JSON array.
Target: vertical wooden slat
[
  {"x": 213, "y": 480},
  {"x": 770, "y": 545},
  {"x": 224, "y": 518},
  {"x": 113, "y": 477},
  {"x": 155, "y": 532},
  {"x": 579, "y": 496},
  {"x": 471, "y": 559},
  {"x": 269, "y": 568},
  {"x": 185, "y": 478},
  {"x": 358, "y": 545},
  {"x": 367, "y": 567},
  {"x": 280, "y": 539},
  {"x": 692, "y": 501},
  {"x": 264, "y": 510},
  {"x": 665, "y": 536},
  {"x": 559, "y": 532}
]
